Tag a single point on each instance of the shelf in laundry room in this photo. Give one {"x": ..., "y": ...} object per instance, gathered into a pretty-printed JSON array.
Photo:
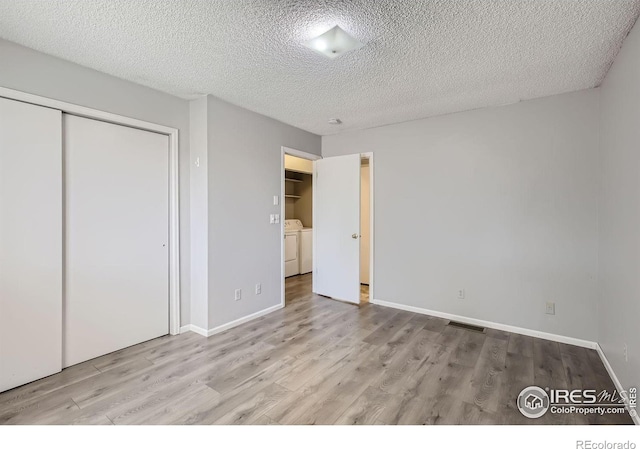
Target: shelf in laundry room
[
  {"x": 293, "y": 196},
  {"x": 293, "y": 180}
]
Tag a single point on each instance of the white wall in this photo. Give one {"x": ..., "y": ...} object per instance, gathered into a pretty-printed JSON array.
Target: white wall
[
  {"x": 244, "y": 174},
  {"x": 619, "y": 311},
  {"x": 501, "y": 202},
  {"x": 36, "y": 73}
]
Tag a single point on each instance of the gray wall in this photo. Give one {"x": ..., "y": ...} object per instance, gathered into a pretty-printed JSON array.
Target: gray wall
[
  {"x": 244, "y": 162},
  {"x": 36, "y": 73},
  {"x": 619, "y": 312},
  {"x": 199, "y": 189},
  {"x": 500, "y": 201}
]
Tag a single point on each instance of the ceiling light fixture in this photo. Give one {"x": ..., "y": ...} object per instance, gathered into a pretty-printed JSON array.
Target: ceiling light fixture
[{"x": 334, "y": 43}]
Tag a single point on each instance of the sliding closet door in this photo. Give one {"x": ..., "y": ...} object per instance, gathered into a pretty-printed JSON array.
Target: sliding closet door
[
  {"x": 116, "y": 237},
  {"x": 30, "y": 242}
]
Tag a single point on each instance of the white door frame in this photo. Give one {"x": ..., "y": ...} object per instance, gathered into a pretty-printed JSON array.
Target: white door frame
[
  {"x": 174, "y": 188},
  {"x": 303, "y": 155}
]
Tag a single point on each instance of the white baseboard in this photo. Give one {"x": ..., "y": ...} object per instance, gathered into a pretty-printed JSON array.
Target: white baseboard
[
  {"x": 231, "y": 324},
  {"x": 194, "y": 328},
  {"x": 615, "y": 379},
  {"x": 490, "y": 324},
  {"x": 239, "y": 321}
]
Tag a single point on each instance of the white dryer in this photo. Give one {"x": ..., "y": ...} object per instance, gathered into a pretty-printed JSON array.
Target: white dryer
[
  {"x": 291, "y": 247},
  {"x": 305, "y": 253}
]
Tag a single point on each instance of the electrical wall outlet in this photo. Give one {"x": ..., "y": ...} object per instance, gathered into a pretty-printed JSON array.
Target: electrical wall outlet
[
  {"x": 238, "y": 295},
  {"x": 625, "y": 350},
  {"x": 258, "y": 289},
  {"x": 461, "y": 293},
  {"x": 551, "y": 308}
]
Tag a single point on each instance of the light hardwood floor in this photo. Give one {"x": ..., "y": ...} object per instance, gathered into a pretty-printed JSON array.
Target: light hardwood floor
[{"x": 317, "y": 361}]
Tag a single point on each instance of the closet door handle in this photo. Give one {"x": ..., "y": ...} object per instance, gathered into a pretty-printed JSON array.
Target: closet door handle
[{"x": 354, "y": 236}]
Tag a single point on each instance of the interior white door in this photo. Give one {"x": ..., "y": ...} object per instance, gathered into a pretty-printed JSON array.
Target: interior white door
[
  {"x": 116, "y": 237},
  {"x": 336, "y": 227},
  {"x": 30, "y": 242}
]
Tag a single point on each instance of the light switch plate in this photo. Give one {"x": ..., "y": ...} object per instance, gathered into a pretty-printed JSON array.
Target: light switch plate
[
  {"x": 276, "y": 200},
  {"x": 551, "y": 308}
]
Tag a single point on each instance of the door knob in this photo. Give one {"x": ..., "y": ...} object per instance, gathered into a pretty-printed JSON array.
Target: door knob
[{"x": 354, "y": 236}]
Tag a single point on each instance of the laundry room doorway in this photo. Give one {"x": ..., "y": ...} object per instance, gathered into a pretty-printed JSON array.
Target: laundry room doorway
[
  {"x": 327, "y": 227},
  {"x": 297, "y": 223}
]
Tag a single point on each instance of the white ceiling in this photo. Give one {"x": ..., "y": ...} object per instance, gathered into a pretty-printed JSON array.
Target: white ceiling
[{"x": 421, "y": 58}]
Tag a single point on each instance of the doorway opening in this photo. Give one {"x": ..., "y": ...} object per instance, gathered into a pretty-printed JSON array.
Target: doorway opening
[
  {"x": 365, "y": 229},
  {"x": 342, "y": 254},
  {"x": 327, "y": 227},
  {"x": 297, "y": 224}
]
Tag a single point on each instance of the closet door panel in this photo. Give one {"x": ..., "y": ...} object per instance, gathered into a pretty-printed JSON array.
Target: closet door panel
[
  {"x": 117, "y": 231},
  {"x": 30, "y": 242}
]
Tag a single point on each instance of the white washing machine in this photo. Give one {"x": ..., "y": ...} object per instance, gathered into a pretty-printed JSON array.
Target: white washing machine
[
  {"x": 298, "y": 248},
  {"x": 291, "y": 247}
]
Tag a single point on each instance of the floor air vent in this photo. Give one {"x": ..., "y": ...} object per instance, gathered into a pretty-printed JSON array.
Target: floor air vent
[{"x": 468, "y": 327}]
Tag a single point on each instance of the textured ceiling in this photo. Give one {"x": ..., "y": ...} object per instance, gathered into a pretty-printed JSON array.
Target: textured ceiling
[{"x": 421, "y": 58}]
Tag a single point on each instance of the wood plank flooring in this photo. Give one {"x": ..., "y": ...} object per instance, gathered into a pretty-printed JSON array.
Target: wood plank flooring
[{"x": 317, "y": 361}]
